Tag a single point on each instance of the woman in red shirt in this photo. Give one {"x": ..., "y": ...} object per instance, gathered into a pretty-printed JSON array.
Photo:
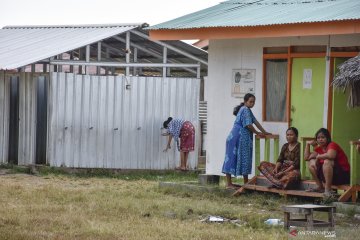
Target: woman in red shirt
[{"x": 328, "y": 163}]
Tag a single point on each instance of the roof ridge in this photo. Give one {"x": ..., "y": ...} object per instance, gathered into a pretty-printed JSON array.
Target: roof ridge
[
  {"x": 274, "y": 2},
  {"x": 77, "y": 26}
]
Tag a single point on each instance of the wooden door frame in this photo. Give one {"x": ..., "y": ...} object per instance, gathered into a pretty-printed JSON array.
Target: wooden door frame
[{"x": 290, "y": 55}]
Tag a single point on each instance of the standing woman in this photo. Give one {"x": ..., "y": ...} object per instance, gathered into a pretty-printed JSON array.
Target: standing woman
[
  {"x": 185, "y": 131},
  {"x": 239, "y": 143}
]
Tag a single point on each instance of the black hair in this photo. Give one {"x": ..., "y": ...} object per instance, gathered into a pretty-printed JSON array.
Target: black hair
[
  {"x": 246, "y": 98},
  {"x": 166, "y": 123},
  {"x": 325, "y": 132},
  {"x": 294, "y": 130}
]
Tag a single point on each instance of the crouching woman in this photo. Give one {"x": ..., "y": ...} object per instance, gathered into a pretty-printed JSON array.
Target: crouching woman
[{"x": 328, "y": 163}]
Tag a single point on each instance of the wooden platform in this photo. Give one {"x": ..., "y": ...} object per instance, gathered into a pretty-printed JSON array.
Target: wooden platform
[{"x": 260, "y": 183}]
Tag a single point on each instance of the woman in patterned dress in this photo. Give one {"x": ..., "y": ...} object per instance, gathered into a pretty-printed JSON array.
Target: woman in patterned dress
[
  {"x": 239, "y": 143},
  {"x": 285, "y": 174},
  {"x": 185, "y": 131}
]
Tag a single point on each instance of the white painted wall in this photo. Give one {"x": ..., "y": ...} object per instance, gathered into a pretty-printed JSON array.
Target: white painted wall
[{"x": 225, "y": 55}]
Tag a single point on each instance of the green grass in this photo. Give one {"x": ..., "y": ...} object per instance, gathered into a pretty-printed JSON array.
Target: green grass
[
  {"x": 92, "y": 205},
  {"x": 130, "y": 175}
]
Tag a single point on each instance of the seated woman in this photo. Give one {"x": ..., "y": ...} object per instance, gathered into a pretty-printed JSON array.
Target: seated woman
[
  {"x": 286, "y": 173},
  {"x": 328, "y": 163}
]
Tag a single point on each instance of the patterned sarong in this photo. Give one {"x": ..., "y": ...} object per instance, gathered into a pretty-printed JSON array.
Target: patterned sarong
[{"x": 286, "y": 181}]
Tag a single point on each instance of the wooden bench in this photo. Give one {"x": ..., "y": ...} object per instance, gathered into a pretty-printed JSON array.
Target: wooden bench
[{"x": 308, "y": 221}]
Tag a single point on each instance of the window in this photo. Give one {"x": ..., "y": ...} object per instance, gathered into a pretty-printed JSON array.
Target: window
[{"x": 275, "y": 89}]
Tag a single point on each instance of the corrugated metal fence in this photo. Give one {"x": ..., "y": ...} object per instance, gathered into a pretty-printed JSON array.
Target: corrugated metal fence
[
  {"x": 115, "y": 121},
  {"x": 22, "y": 89},
  {"x": 27, "y": 117},
  {"x": 4, "y": 117}
]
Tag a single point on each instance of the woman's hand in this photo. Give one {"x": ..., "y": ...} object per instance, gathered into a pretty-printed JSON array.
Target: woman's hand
[
  {"x": 275, "y": 171},
  {"x": 312, "y": 143},
  {"x": 260, "y": 134},
  {"x": 267, "y": 133}
]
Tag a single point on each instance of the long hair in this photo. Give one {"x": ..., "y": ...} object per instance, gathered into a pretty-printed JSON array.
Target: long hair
[
  {"x": 246, "y": 98},
  {"x": 325, "y": 132},
  {"x": 166, "y": 122}
]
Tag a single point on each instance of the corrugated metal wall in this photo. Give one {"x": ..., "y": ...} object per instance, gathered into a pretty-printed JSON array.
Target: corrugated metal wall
[
  {"x": 4, "y": 117},
  {"x": 27, "y": 116},
  {"x": 115, "y": 121}
]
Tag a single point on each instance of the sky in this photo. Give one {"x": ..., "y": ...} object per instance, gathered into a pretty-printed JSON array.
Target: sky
[{"x": 65, "y": 12}]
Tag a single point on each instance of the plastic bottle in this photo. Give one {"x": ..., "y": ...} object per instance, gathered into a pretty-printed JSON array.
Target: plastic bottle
[{"x": 273, "y": 221}]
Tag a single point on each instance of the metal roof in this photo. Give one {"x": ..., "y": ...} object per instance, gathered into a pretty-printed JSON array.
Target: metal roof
[
  {"x": 246, "y": 13},
  {"x": 23, "y": 45}
]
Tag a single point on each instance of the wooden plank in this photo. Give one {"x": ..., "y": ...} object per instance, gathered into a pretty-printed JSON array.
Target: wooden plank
[
  {"x": 312, "y": 182},
  {"x": 272, "y": 136},
  {"x": 353, "y": 163},
  {"x": 345, "y": 196},
  {"x": 257, "y": 156},
  {"x": 308, "y": 206},
  {"x": 303, "y": 223},
  {"x": 286, "y": 220},
  {"x": 267, "y": 150},
  {"x": 288, "y": 86},
  {"x": 263, "y": 188},
  {"x": 353, "y": 196},
  {"x": 264, "y": 88},
  {"x": 310, "y": 220},
  {"x": 259, "y": 183},
  {"x": 242, "y": 189},
  {"x": 331, "y": 218},
  {"x": 330, "y": 95},
  {"x": 343, "y": 54},
  {"x": 308, "y": 55},
  {"x": 276, "y": 149},
  {"x": 275, "y": 56}
]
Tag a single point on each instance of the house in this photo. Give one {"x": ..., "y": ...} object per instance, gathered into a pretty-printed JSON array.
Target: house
[
  {"x": 94, "y": 96},
  {"x": 286, "y": 53}
]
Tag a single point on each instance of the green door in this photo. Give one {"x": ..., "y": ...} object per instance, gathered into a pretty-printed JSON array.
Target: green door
[
  {"x": 307, "y": 95},
  {"x": 345, "y": 121}
]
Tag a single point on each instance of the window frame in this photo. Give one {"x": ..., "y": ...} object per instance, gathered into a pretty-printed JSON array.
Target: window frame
[{"x": 276, "y": 56}]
